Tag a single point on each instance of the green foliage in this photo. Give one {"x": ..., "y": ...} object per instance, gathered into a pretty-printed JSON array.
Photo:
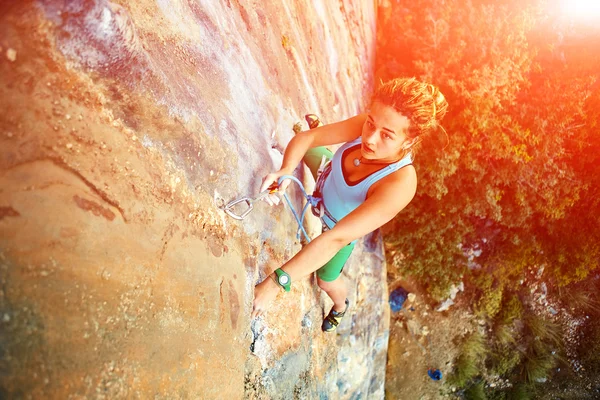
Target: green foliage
[
  {"x": 546, "y": 330},
  {"x": 506, "y": 356},
  {"x": 476, "y": 391},
  {"x": 432, "y": 262},
  {"x": 520, "y": 391},
  {"x": 512, "y": 309},
  {"x": 468, "y": 365},
  {"x": 505, "y": 335},
  {"x": 496, "y": 394},
  {"x": 544, "y": 346},
  {"x": 582, "y": 298},
  {"x": 489, "y": 300},
  {"x": 517, "y": 176},
  {"x": 505, "y": 360},
  {"x": 589, "y": 346},
  {"x": 520, "y": 164},
  {"x": 590, "y": 349}
]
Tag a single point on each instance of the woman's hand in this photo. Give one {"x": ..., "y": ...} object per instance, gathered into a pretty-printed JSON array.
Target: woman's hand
[
  {"x": 271, "y": 180},
  {"x": 264, "y": 293}
]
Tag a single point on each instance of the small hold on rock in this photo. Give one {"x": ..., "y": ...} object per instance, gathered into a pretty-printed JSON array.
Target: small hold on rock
[{"x": 11, "y": 54}]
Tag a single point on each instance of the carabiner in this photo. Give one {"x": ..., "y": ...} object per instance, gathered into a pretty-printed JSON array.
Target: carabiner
[{"x": 228, "y": 208}]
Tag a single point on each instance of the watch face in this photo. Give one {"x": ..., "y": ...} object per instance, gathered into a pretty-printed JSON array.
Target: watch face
[{"x": 284, "y": 280}]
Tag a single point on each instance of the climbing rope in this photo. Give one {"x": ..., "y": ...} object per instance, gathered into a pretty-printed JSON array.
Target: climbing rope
[{"x": 310, "y": 201}]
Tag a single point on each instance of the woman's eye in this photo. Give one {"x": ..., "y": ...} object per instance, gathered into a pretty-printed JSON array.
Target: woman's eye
[
  {"x": 370, "y": 125},
  {"x": 387, "y": 136}
]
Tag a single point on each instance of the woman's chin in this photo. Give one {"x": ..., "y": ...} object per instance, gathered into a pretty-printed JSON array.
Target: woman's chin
[{"x": 367, "y": 155}]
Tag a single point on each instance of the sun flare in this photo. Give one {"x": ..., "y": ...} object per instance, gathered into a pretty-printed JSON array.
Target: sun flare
[{"x": 581, "y": 9}]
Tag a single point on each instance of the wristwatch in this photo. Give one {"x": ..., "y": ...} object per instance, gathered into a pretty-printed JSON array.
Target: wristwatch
[{"x": 283, "y": 279}]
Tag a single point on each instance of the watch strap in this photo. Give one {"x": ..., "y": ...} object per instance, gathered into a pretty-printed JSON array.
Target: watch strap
[{"x": 282, "y": 275}]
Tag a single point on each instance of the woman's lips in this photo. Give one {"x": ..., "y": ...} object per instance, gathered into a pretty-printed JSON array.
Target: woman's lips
[{"x": 367, "y": 149}]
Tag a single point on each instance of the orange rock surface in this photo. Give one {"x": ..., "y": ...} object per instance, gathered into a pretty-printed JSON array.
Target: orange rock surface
[{"x": 125, "y": 126}]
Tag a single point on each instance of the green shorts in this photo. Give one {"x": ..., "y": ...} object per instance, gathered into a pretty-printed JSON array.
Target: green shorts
[{"x": 333, "y": 269}]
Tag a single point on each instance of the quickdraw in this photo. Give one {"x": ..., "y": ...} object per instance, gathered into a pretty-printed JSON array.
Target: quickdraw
[
  {"x": 229, "y": 207},
  {"x": 315, "y": 200},
  {"x": 316, "y": 203}
]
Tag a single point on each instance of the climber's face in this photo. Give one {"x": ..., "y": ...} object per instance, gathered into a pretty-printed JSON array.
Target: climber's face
[{"x": 384, "y": 134}]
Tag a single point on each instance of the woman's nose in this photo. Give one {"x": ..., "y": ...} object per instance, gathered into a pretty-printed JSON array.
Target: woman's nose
[{"x": 371, "y": 137}]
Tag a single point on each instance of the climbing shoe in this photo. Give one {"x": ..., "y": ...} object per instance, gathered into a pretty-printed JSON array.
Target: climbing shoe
[
  {"x": 313, "y": 121},
  {"x": 333, "y": 319}
]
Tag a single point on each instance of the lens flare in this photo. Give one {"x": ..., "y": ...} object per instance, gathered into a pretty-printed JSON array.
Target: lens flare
[{"x": 581, "y": 9}]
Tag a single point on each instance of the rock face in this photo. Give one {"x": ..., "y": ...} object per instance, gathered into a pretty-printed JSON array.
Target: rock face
[{"x": 125, "y": 126}]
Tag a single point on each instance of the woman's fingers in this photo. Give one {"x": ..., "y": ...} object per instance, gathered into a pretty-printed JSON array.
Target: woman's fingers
[
  {"x": 284, "y": 185},
  {"x": 269, "y": 180},
  {"x": 257, "y": 310},
  {"x": 264, "y": 293}
]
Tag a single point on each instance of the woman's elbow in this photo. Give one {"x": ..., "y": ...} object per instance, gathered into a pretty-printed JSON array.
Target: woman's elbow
[{"x": 338, "y": 238}]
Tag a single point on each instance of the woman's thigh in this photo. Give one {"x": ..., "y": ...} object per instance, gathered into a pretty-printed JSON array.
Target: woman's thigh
[
  {"x": 313, "y": 158},
  {"x": 333, "y": 269}
]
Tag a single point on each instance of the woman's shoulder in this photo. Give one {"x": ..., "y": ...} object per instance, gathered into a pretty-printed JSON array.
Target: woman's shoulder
[
  {"x": 401, "y": 181},
  {"x": 338, "y": 132},
  {"x": 351, "y": 143}
]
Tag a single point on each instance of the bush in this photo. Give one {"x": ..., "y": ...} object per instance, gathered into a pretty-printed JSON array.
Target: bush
[
  {"x": 520, "y": 392},
  {"x": 488, "y": 300},
  {"x": 545, "y": 343},
  {"x": 512, "y": 309},
  {"x": 547, "y": 331},
  {"x": 505, "y": 360},
  {"x": 476, "y": 391},
  {"x": 470, "y": 361}
]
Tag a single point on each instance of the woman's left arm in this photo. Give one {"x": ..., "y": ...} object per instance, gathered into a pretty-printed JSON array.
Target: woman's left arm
[{"x": 387, "y": 199}]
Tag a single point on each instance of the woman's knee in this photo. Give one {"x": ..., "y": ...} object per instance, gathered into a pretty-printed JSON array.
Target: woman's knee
[{"x": 328, "y": 286}]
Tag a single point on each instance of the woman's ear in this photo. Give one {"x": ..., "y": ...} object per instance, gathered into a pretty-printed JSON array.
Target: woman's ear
[{"x": 408, "y": 143}]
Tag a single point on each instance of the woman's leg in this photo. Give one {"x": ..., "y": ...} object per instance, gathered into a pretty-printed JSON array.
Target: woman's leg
[
  {"x": 337, "y": 291},
  {"x": 328, "y": 278},
  {"x": 313, "y": 158}
]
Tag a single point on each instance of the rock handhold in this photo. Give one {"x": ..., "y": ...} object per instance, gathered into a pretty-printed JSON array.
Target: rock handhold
[{"x": 11, "y": 55}]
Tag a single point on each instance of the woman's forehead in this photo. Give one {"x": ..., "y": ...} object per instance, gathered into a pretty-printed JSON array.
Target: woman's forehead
[{"x": 388, "y": 117}]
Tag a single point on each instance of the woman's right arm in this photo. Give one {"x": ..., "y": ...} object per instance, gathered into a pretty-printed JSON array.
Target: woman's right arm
[{"x": 338, "y": 132}]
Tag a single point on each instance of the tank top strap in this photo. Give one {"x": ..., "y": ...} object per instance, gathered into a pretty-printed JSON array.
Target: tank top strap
[{"x": 382, "y": 173}]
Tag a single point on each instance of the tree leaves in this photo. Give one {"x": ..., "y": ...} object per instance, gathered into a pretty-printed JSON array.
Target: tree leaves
[{"x": 520, "y": 164}]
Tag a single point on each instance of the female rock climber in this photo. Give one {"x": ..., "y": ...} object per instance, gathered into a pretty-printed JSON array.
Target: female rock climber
[{"x": 369, "y": 180}]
